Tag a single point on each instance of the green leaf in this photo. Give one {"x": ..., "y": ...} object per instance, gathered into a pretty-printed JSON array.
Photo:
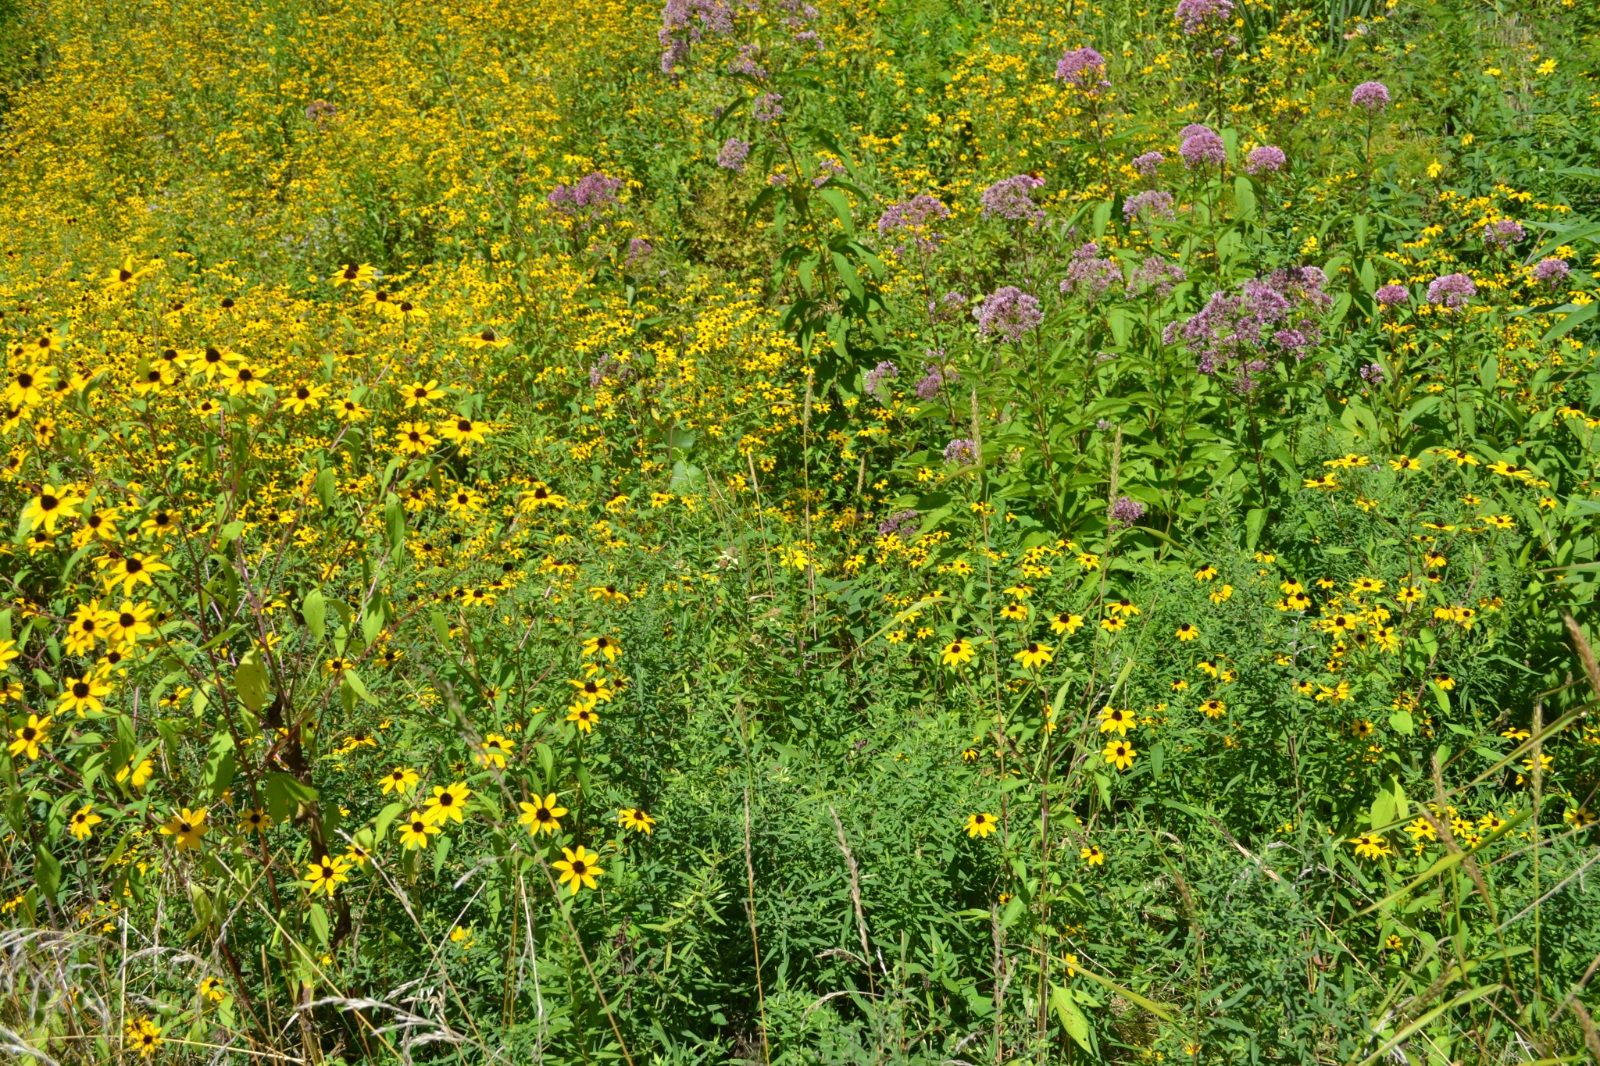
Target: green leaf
[
  {"x": 1400, "y": 722},
  {"x": 315, "y": 610},
  {"x": 1575, "y": 318},
  {"x": 284, "y": 793},
  {"x": 251, "y": 681},
  {"x": 840, "y": 203},
  {"x": 386, "y": 818},
  {"x": 352, "y": 680},
  {"x": 46, "y": 871},
  {"x": 317, "y": 918},
  {"x": 1071, "y": 1018},
  {"x": 1244, "y": 196},
  {"x": 220, "y": 765}
]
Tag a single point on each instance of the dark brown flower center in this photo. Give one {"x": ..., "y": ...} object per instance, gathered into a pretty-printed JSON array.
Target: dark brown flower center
[{"x": 80, "y": 689}]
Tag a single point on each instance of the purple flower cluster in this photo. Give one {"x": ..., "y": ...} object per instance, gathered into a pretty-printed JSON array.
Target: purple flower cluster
[
  {"x": 826, "y": 172},
  {"x": 1012, "y": 199},
  {"x": 1148, "y": 163},
  {"x": 1089, "y": 275},
  {"x": 1372, "y": 95},
  {"x": 1158, "y": 277},
  {"x": 639, "y": 250},
  {"x": 1245, "y": 333},
  {"x": 1503, "y": 234},
  {"x": 683, "y": 23},
  {"x": 1125, "y": 511},
  {"x": 898, "y": 524},
  {"x": 934, "y": 377},
  {"x": 734, "y": 153},
  {"x": 947, "y": 308},
  {"x": 1267, "y": 159},
  {"x": 592, "y": 192},
  {"x": 1451, "y": 290},
  {"x": 1198, "y": 15},
  {"x": 1201, "y": 146},
  {"x": 1008, "y": 311},
  {"x": 746, "y": 63},
  {"x": 1372, "y": 373},
  {"x": 1552, "y": 272},
  {"x": 961, "y": 451},
  {"x": 767, "y": 108},
  {"x": 1083, "y": 68},
  {"x": 1392, "y": 296},
  {"x": 609, "y": 366},
  {"x": 884, "y": 371},
  {"x": 1153, "y": 200},
  {"x": 913, "y": 218}
]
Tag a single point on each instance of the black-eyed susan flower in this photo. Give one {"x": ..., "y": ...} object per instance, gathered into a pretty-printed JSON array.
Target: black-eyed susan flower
[
  {"x": 130, "y": 571},
  {"x": 137, "y": 773},
  {"x": 144, "y": 1037},
  {"x": 1213, "y": 708},
  {"x": 1123, "y": 607},
  {"x": 1117, "y": 719},
  {"x": 415, "y": 831},
  {"x": 414, "y": 438},
  {"x": 610, "y": 647},
  {"x": 1114, "y": 624},
  {"x": 485, "y": 338},
  {"x": 419, "y": 393},
  {"x": 186, "y": 828},
  {"x": 1092, "y": 855},
  {"x": 1187, "y": 632},
  {"x": 1208, "y": 572},
  {"x": 981, "y": 824},
  {"x": 212, "y": 990},
  {"x": 1370, "y": 846},
  {"x": 579, "y": 868},
  {"x": 543, "y": 815},
  {"x": 449, "y": 803},
  {"x": 1033, "y": 655},
  {"x": 1066, "y": 622},
  {"x": 463, "y": 432},
  {"x": 83, "y": 821},
  {"x": 1119, "y": 753},
  {"x": 637, "y": 820},
  {"x": 1015, "y": 612},
  {"x": 584, "y": 716},
  {"x": 47, "y": 507},
  {"x": 254, "y": 820},
  {"x": 494, "y": 749},
  {"x": 81, "y": 695},
  {"x": 326, "y": 875},
  {"x": 353, "y": 275},
  {"x": 957, "y": 653}
]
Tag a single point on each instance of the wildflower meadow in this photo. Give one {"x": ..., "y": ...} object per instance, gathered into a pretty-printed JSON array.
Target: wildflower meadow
[{"x": 944, "y": 532}]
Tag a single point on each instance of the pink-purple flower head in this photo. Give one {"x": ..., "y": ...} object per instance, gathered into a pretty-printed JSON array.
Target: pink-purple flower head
[
  {"x": 898, "y": 524},
  {"x": 914, "y": 219},
  {"x": 592, "y": 192},
  {"x": 734, "y": 153},
  {"x": 961, "y": 452},
  {"x": 1012, "y": 199},
  {"x": 1089, "y": 275},
  {"x": 1148, "y": 163},
  {"x": 884, "y": 371},
  {"x": 1157, "y": 277},
  {"x": 1266, "y": 159},
  {"x": 1083, "y": 68},
  {"x": 1147, "y": 203},
  {"x": 1008, "y": 312},
  {"x": 1552, "y": 272},
  {"x": 1202, "y": 147},
  {"x": 768, "y": 107},
  {"x": 1372, "y": 95},
  {"x": 1125, "y": 511},
  {"x": 1197, "y": 15},
  {"x": 682, "y": 25},
  {"x": 1392, "y": 296},
  {"x": 1451, "y": 290},
  {"x": 1503, "y": 234}
]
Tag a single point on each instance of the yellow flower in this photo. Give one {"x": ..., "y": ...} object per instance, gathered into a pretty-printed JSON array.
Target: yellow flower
[
  {"x": 1213, "y": 708},
  {"x": 353, "y": 275},
  {"x": 1222, "y": 594},
  {"x": 139, "y": 774},
  {"x": 584, "y": 716},
  {"x": 45, "y": 510},
  {"x": 212, "y": 989},
  {"x": 1370, "y": 846},
  {"x": 416, "y": 830},
  {"x": 1119, "y": 753},
  {"x": 1092, "y": 856},
  {"x": 1066, "y": 622},
  {"x": 82, "y": 694},
  {"x": 542, "y": 815},
  {"x": 636, "y": 819},
  {"x": 610, "y": 647},
  {"x": 1033, "y": 655},
  {"x": 83, "y": 822},
  {"x": 326, "y": 874},
  {"x": 130, "y": 571},
  {"x": 464, "y": 431},
  {"x": 981, "y": 825},
  {"x": 1113, "y": 624},
  {"x": 448, "y": 804},
  {"x": 418, "y": 393},
  {"x": 402, "y": 779},
  {"x": 495, "y": 748},
  {"x": 1187, "y": 632},
  {"x": 186, "y": 828},
  {"x": 579, "y": 868},
  {"x": 129, "y": 622},
  {"x": 485, "y": 338},
  {"x": 1117, "y": 719},
  {"x": 413, "y": 438},
  {"x": 1207, "y": 572},
  {"x": 958, "y": 652}
]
